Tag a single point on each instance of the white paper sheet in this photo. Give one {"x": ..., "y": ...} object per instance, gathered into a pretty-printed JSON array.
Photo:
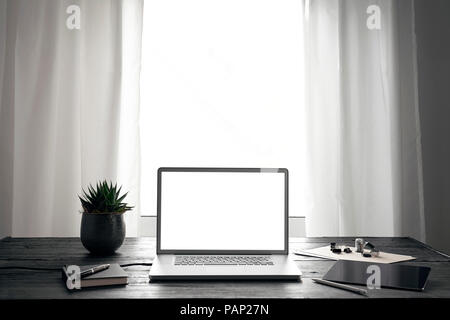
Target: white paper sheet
[{"x": 324, "y": 252}]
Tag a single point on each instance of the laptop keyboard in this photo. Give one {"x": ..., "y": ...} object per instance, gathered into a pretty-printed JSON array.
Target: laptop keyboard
[{"x": 223, "y": 260}]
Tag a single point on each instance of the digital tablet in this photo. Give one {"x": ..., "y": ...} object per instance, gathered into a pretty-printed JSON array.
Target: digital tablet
[{"x": 398, "y": 276}]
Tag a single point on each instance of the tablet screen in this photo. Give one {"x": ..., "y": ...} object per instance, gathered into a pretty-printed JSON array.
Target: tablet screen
[{"x": 391, "y": 275}]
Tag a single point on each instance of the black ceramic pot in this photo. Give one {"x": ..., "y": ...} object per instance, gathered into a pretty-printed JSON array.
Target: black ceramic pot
[{"x": 102, "y": 233}]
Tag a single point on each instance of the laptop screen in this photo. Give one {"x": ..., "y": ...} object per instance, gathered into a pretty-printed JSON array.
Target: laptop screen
[{"x": 225, "y": 210}]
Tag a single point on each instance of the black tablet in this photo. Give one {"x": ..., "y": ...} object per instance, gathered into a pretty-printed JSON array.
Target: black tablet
[{"x": 396, "y": 276}]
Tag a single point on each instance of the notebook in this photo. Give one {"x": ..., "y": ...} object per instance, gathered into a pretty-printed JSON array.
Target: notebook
[
  {"x": 324, "y": 252},
  {"x": 112, "y": 276}
]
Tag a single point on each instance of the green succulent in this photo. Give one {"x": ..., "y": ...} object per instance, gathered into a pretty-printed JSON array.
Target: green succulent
[{"x": 104, "y": 198}]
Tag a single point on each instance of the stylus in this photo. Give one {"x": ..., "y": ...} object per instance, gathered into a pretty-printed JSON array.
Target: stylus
[
  {"x": 341, "y": 286},
  {"x": 93, "y": 270}
]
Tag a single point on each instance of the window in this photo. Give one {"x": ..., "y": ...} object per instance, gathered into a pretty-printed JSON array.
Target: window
[{"x": 222, "y": 85}]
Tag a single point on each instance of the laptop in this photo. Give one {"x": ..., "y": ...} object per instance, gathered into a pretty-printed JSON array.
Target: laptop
[{"x": 222, "y": 224}]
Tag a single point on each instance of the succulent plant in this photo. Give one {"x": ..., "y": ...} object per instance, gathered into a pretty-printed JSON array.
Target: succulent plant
[{"x": 103, "y": 198}]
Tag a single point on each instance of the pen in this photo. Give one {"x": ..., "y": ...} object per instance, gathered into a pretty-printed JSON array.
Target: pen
[
  {"x": 341, "y": 286},
  {"x": 93, "y": 270}
]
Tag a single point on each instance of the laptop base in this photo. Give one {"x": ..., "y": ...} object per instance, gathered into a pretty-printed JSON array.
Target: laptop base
[{"x": 164, "y": 269}]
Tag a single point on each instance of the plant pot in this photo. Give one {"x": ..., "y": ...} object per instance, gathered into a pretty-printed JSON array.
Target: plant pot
[{"x": 102, "y": 233}]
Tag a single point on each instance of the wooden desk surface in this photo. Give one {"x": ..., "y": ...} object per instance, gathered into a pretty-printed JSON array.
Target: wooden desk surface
[{"x": 55, "y": 252}]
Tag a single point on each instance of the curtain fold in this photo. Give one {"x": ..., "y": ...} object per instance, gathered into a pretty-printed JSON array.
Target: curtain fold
[
  {"x": 70, "y": 95},
  {"x": 69, "y": 115},
  {"x": 363, "y": 131}
]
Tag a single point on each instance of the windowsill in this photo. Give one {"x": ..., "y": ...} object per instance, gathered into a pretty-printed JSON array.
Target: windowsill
[
  {"x": 147, "y": 226},
  {"x": 154, "y": 216}
]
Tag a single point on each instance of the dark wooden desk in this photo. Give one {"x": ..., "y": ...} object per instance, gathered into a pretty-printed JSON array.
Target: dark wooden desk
[{"x": 55, "y": 252}]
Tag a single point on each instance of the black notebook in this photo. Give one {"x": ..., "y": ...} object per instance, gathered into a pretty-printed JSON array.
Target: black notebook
[
  {"x": 112, "y": 276},
  {"x": 397, "y": 276}
]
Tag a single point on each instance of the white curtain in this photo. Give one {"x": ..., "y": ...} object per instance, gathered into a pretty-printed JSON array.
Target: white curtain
[
  {"x": 69, "y": 115},
  {"x": 362, "y": 120},
  {"x": 69, "y": 110}
]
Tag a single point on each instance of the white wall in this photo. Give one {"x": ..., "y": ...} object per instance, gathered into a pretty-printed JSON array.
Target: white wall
[
  {"x": 433, "y": 55},
  {"x": 6, "y": 124}
]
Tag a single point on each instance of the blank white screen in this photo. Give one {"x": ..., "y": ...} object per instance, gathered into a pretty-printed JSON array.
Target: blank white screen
[{"x": 222, "y": 211}]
